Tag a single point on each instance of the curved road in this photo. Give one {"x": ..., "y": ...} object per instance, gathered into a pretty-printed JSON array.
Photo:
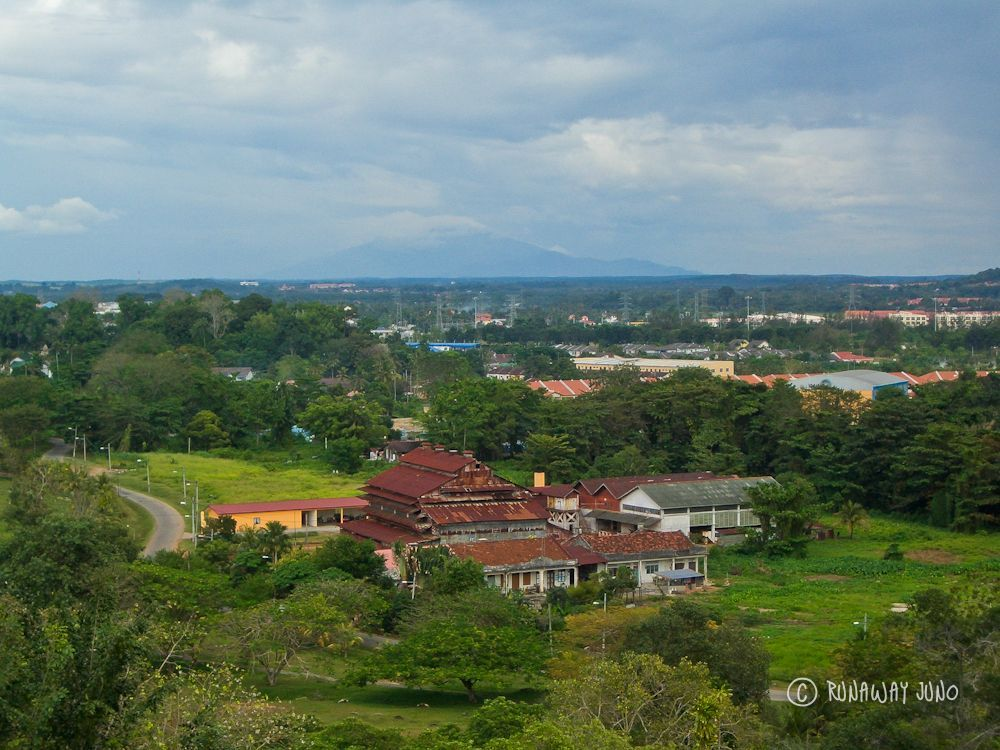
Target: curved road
[{"x": 168, "y": 525}]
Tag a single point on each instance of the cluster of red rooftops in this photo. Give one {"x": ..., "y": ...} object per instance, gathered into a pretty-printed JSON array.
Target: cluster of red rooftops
[{"x": 550, "y": 534}]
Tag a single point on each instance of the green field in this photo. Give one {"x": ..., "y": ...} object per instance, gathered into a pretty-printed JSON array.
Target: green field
[
  {"x": 138, "y": 520},
  {"x": 231, "y": 480},
  {"x": 805, "y": 609},
  {"x": 384, "y": 706}
]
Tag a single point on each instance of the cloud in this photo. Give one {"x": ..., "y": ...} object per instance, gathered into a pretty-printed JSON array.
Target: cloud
[
  {"x": 66, "y": 216},
  {"x": 790, "y": 168}
]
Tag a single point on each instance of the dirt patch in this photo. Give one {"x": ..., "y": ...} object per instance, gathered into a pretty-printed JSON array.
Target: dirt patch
[
  {"x": 827, "y": 577},
  {"x": 939, "y": 556}
]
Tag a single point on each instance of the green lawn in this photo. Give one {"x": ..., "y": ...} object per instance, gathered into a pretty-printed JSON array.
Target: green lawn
[
  {"x": 138, "y": 520},
  {"x": 389, "y": 707},
  {"x": 231, "y": 480},
  {"x": 805, "y": 609}
]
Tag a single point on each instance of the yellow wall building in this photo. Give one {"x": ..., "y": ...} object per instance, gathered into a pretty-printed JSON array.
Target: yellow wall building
[
  {"x": 654, "y": 367},
  {"x": 292, "y": 514}
]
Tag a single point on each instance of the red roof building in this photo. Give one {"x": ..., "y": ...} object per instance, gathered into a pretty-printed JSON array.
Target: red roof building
[
  {"x": 440, "y": 495},
  {"x": 605, "y": 493},
  {"x": 535, "y": 565},
  {"x": 850, "y": 357},
  {"x": 562, "y": 388}
]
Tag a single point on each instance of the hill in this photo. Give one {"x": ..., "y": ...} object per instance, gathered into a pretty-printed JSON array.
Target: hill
[{"x": 477, "y": 255}]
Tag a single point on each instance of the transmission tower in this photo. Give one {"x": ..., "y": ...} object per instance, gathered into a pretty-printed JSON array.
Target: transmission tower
[
  {"x": 511, "y": 309},
  {"x": 697, "y": 299},
  {"x": 440, "y": 318},
  {"x": 399, "y": 308},
  {"x": 626, "y": 307}
]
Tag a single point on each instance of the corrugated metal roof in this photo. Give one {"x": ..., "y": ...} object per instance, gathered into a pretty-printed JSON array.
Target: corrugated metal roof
[
  {"x": 852, "y": 380},
  {"x": 380, "y": 533},
  {"x": 440, "y": 460},
  {"x": 619, "y": 486},
  {"x": 639, "y": 541},
  {"x": 408, "y": 481},
  {"x": 545, "y": 550},
  {"x": 328, "y": 503},
  {"x": 448, "y": 513},
  {"x": 696, "y": 494},
  {"x": 611, "y": 515}
]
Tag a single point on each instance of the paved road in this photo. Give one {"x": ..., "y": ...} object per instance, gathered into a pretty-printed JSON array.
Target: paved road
[{"x": 168, "y": 525}]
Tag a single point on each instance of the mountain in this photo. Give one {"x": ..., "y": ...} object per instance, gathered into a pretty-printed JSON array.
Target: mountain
[{"x": 477, "y": 255}]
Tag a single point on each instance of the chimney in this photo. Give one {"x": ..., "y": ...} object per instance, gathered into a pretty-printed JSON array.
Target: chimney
[
  {"x": 539, "y": 479},
  {"x": 425, "y": 444},
  {"x": 439, "y": 447},
  {"x": 470, "y": 454}
]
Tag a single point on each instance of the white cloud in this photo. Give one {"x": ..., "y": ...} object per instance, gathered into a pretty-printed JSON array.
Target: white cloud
[
  {"x": 409, "y": 225},
  {"x": 790, "y": 168},
  {"x": 66, "y": 216}
]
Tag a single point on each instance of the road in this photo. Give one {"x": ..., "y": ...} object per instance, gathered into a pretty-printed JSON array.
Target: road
[{"x": 168, "y": 526}]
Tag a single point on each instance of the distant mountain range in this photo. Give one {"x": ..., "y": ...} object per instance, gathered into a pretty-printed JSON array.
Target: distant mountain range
[{"x": 475, "y": 255}]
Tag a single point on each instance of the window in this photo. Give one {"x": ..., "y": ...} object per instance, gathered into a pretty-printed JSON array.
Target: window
[
  {"x": 678, "y": 566},
  {"x": 256, "y": 521},
  {"x": 561, "y": 577},
  {"x": 652, "y": 568}
]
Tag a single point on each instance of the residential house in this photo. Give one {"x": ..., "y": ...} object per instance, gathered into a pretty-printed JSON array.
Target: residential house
[
  {"x": 562, "y": 388},
  {"x": 850, "y": 358},
  {"x": 699, "y": 508},
  {"x": 528, "y": 565},
  {"x": 647, "y": 554},
  {"x": 605, "y": 493}
]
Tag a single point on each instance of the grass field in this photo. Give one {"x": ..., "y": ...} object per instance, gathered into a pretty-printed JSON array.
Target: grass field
[
  {"x": 805, "y": 609},
  {"x": 231, "y": 480},
  {"x": 138, "y": 520},
  {"x": 388, "y": 707}
]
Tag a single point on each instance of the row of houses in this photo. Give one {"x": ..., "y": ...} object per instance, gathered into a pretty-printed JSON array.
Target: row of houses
[{"x": 918, "y": 318}]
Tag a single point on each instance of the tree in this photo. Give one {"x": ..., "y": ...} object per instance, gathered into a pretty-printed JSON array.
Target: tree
[
  {"x": 475, "y": 636},
  {"x": 355, "y": 557},
  {"x": 688, "y": 630},
  {"x": 205, "y": 429},
  {"x": 271, "y": 634},
  {"x": 274, "y": 542},
  {"x": 652, "y": 703},
  {"x": 552, "y": 454},
  {"x": 210, "y": 709},
  {"x": 785, "y": 509},
  {"x": 219, "y": 310},
  {"x": 852, "y": 514}
]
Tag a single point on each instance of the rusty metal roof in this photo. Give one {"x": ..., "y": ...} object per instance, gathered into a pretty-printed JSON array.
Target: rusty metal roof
[
  {"x": 639, "y": 541},
  {"x": 542, "y": 551},
  {"x": 408, "y": 481},
  {"x": 522, "y": 510},
  {"x": 437, "y": 459}
]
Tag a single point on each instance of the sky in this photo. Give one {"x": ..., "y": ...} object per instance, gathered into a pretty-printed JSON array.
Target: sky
[{"x": 169, "y": 139}]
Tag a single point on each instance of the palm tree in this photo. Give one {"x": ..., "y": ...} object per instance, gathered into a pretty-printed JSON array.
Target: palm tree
[
  {"x": 852, "y": 514},
  {"x": 274, "y": 542}
]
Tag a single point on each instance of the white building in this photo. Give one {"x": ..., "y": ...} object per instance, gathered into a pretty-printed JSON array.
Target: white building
[{"x": 704, "y": 507}]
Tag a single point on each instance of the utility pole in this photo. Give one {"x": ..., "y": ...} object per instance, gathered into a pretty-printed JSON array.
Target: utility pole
[
  {"x": 149, "y": 486},
  {"x": 85, "y": 447},
  {"x": 399, "y": 308},
  {"x": 440, "y": 317},
  {"x": 108, "y": 446},
  {"x": 475, "y": 311},
  {"x": 74, "y": 443},
  {"x": 194, "y": 516},
  {"x": 748, "y": 316},
  {"x": 697, "y": 316},
  {"x": 184, "y": 482}
]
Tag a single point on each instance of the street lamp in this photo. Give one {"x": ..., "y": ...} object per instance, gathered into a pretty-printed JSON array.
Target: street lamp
[
  {"x": 149, "y": 488},
  {"x": 108, "y": 449}
]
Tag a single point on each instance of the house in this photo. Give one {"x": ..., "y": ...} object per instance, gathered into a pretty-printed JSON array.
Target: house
[
  {"x": 652, "y": 366},
  {"x": 393, "y": 450},
  {"x": 647, "y": 554},
  {"x": 701, "y": 508},
  {"x": 850, "y": 357},
  {"x": 436, "y": 495},
  {"x": 528, "y": 565},
  {"x": 562, "y": 502},
  {"x": 504, "y": 372},
  {"x": 562, "y": 388},
  {"x": 292, "y": 514},
  {"x": 242, "y": 374},
  {"x": 869, "y": 383}
]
